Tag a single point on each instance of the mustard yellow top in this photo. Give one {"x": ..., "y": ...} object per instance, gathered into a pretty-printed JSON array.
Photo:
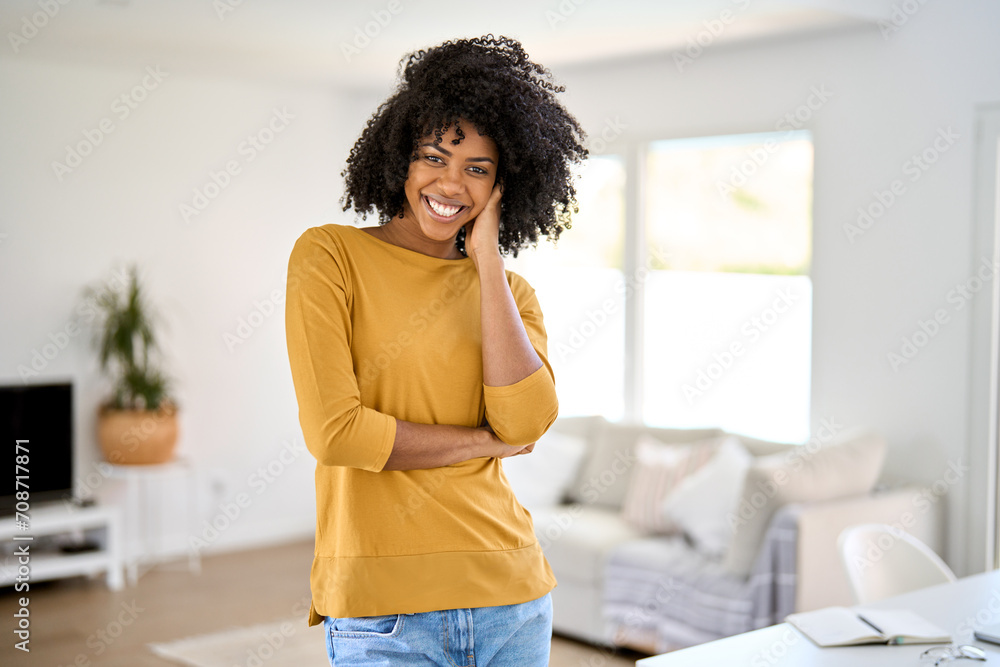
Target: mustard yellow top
[{"x": 376, "y": 332}]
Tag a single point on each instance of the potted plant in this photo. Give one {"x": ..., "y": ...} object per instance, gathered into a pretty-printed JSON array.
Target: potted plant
[{"x": 138, "y": 424}]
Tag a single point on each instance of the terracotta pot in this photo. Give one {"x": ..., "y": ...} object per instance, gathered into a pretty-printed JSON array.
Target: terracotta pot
[{"x": 138, "y": 437}]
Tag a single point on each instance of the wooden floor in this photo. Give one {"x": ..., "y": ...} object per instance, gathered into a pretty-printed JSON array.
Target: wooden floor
[{"x": 80, "y": 622}]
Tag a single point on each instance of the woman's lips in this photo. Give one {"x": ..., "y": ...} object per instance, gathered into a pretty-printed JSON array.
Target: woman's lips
[{"x": 442, "y": 212}]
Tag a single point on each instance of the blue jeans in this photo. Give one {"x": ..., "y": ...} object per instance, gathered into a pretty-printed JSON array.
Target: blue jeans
[{"x": 518, "y": 635}]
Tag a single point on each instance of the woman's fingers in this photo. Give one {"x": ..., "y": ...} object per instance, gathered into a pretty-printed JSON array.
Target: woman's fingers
[
  {"x": 484, "y": 231},
  {"x": 495, "y": 195},
  {"x": 506, "y": 450}
]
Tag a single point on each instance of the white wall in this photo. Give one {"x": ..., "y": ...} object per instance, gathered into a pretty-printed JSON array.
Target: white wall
[
  {"x": 890, "y": 97},
  {"x": 120, "y": 205}
]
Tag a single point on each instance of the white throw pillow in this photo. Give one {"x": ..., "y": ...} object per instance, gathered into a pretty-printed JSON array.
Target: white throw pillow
[
  {"x": 703, "y": 501},
  {"x": 541, "y": 478},
  {"x": 849, "y": 465}
]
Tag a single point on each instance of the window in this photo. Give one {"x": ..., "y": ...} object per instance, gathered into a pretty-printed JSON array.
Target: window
[
  {"x": 728, "y": 311},
  {"x": 724, "y": 310},
  {"x": 579, "y": 286}
]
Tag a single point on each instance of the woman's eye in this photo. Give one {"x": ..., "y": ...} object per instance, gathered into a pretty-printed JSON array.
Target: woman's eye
[
  {"x": 478, "y": 170},
  {"x": 432, "y": 158}
]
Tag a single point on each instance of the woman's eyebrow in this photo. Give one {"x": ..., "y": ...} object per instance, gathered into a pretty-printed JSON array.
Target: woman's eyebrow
[
  {"x": 448, "y": 153},
  {"x": 437, "y": 148}
]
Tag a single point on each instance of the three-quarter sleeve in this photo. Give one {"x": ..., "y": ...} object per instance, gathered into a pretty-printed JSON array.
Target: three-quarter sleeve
[
  {"x": 338, "y": 429},
  {"x": 521, "y": 413}
]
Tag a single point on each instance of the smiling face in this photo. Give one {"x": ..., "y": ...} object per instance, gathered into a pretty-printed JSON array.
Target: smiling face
[{"x": 447, "y": 186}]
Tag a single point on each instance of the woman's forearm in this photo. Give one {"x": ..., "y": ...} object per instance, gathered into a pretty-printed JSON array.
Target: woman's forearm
[
  {"x": 508, "y": 356},
  {"x": 418, "y": 446}
]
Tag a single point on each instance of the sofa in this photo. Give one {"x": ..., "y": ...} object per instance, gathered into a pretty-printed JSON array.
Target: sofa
[{"x": 666, "y": 538}]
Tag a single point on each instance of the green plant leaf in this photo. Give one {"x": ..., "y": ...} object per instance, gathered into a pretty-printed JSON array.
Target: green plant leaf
[{"x": 127, "y": 346}]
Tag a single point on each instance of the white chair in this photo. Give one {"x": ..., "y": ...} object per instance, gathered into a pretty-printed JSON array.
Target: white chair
[{"x": 882, "y": 561}]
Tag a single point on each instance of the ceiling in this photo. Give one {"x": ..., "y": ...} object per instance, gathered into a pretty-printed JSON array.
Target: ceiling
[{"x": 358, "y": 43}]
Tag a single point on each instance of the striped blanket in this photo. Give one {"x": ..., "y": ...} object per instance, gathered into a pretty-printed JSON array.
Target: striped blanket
[{"x": 662, "y": 594}]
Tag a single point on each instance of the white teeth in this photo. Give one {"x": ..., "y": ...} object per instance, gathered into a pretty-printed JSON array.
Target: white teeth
[{"x": 443, "y": 210}]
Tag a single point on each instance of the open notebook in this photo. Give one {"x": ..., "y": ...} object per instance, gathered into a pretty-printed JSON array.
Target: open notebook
[{"x": 840, "y": 626}]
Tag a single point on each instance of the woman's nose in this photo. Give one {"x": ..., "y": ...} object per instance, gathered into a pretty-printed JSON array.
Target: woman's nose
[{"x": 451, "y": 180}]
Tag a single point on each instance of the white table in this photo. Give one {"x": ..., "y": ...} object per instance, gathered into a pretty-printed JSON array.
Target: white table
[
  {"x": 959, "y": 608},
  {"x": 144, "y": 504}
]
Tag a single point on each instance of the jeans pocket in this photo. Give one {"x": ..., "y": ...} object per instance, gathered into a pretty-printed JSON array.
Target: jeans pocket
[{"x": 367, "y": 626}]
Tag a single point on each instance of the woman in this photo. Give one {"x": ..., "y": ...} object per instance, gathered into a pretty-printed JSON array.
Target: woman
[{"x": 419, "y": 362}]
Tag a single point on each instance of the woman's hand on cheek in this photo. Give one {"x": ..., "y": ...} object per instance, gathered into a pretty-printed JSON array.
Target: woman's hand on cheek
[{"x": 482, "y": 235}]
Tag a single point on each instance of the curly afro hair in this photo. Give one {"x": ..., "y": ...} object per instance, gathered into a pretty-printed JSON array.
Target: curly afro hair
[{"x": 490, "y": 83}]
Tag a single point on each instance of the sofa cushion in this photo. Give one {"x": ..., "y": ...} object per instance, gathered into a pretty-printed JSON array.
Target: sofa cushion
[
  {"x": 703, "y": 502},
  {"x": 577, "y": 539},
  {"x": 586, "y": 427},
  {"x": 604, "y": 477},
  {"x": 540, "y": 479},
  {"x": 759, "y": 448},
  {"x": 848, "y": 465},
  {"x": 658, "y": 471}
]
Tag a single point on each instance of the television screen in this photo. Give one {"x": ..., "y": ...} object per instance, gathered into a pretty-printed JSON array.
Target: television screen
[{"x": 42, "y": 415}]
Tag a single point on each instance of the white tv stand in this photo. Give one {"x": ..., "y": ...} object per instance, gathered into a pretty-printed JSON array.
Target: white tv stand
[{"x": 66, "y": 518}]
